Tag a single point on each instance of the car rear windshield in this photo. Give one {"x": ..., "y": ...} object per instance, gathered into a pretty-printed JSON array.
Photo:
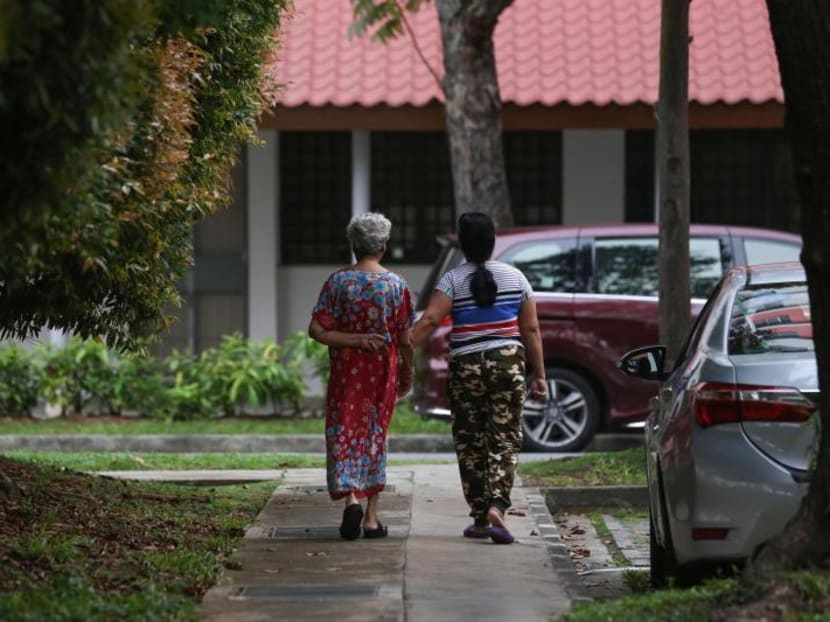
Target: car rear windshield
[
  {"x": 771, "y": 318},
  {"x": 450, "y": 257}
]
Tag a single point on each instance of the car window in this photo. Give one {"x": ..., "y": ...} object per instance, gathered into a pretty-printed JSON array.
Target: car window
[
  {"x": 771, "y": 318},
  {"x": 549, "y": 265},
  {"x": 705, "y": 266},
  {"x": 450, "y": 257},
  {"x": 769, "y": 251},
  {"x": 628, "y": 266}
]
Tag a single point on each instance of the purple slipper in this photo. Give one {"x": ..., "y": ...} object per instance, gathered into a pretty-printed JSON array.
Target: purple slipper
[
  {"x": 500, "y": 535},
  {"x": 476, "y": 532}
]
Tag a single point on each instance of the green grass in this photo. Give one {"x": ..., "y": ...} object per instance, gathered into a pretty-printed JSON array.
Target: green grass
[
  {"x": 802, "y": 596},
  {"x": 126, "y": 461},
  {"x": 690, "y": 605},
  {"x": 81, "y": 548},
  {"x": 600, "y": 469},
  {"x": 404, "y": 421}
]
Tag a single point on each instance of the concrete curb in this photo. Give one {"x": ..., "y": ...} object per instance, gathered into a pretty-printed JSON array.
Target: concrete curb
[
  {"x": 243, "y": 443},
  {"x": 595, "y": 496},
  {"x": 557, "y": 550},
  {"x": 209, "y": 443}
]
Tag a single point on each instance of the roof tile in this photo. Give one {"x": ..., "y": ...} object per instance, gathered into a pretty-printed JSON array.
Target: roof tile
[{"x": 547, "y": 52}]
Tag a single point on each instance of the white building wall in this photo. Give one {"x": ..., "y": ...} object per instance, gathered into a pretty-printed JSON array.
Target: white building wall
[
  {"x": 593, "y": 176},
  {"x": 263, "y": 236}
]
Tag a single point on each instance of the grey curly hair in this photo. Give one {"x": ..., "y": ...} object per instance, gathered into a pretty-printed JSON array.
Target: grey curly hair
[{"x": 368, "y": 233}]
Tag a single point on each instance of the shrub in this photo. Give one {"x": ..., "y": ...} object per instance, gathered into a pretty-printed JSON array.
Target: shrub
[
  {"x": 78, "y": 376},
  {"x": 20, "y": 379}
]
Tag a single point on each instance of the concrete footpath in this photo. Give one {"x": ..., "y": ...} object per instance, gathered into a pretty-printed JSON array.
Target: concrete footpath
[{"x": 293, "y": 565}]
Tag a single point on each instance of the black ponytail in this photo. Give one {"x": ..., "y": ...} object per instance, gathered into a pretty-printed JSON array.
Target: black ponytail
[
  {"x": 483, "y": 286},
  {"x": 477, "y": 236}
]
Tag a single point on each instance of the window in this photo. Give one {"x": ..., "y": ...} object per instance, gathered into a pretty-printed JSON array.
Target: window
[
  {"x": 628, "y": 266},
  {"x": 549, "y": 265},
  {"x": 743, "y": 177},
  {"x": 315, "y": 197},
  {"x": 769, "y": 251},
  {"x": 639, "y": 176},
  {"x": 771, "y": 319},
  {"x": 533, "y": 161},
  {"x": 705, "y": 266},
  {"x": 411, "y": 183}
]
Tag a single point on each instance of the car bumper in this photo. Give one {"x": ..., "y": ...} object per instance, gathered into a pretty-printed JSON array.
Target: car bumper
[{"x": 728, "y": 484}]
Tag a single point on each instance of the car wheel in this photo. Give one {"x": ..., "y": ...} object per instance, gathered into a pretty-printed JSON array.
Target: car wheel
[{"x": 567, "y": 419}]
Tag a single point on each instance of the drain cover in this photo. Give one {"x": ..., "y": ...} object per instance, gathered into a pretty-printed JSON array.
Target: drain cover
[
  {"x": 323, "y": 488},
  {"x": 322, "y": 532},
  {"x": 313, "y": 592}
]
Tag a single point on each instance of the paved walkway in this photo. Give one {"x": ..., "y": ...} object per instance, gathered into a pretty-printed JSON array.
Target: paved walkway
[{"x": 292, "y": 564}]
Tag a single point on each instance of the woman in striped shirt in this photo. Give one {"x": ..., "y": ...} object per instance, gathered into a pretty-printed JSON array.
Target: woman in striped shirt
[{"x": 495, "y": 329}]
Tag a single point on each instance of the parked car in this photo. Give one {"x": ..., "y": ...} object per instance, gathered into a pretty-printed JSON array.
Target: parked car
[
  {"x": 596, "y": 291},
  {"x": 732, "y": 432}
]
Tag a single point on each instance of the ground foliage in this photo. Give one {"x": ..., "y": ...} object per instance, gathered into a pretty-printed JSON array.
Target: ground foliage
[
  {"x": 121, "y": 120},
  {"x": 80, "y": 547},
  {"x": 784, "y": 597}
]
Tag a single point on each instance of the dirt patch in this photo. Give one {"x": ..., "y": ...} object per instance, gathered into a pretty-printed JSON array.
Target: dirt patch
[{"x": 57, "y": 522}]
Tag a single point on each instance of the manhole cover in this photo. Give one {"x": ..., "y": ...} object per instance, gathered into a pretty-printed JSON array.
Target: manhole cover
[
  {"x": 322, "y": 532},
  {"x": 313, "y": 592}
]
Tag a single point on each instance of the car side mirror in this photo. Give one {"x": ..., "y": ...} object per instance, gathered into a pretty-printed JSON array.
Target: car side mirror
[{"x": 646, "y": 363}]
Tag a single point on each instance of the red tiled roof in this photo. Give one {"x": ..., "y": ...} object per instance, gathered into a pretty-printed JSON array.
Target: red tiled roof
[{"x": 547, "y": 51}]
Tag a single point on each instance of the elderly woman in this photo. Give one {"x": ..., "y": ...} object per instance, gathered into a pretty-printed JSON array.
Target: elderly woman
[{"x": 363, "y": 315}]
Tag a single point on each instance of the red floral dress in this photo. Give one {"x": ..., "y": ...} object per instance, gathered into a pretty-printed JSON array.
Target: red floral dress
[{"x": 362, "y": 387}]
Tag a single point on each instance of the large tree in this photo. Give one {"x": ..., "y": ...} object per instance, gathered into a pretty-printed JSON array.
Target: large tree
[
  {"x": 673, "y": 176},
  {"x": 471, "y": 92},
  {"x": 801, "y": 31}
]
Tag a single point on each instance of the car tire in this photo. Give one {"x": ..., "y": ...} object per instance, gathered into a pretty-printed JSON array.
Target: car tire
[
  {"x": 567, "y": 419},
  {"x": 657, "y": 557}
]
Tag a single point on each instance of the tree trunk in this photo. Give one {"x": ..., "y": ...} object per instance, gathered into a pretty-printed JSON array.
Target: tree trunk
[
  {"x": 473, "y": 107},
  {"x": 673, "y": 176},
  {"x": 801, "y": 31}
]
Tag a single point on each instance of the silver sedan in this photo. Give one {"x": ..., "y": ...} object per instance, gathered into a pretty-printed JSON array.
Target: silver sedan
[{"x": 733, "y": 428}]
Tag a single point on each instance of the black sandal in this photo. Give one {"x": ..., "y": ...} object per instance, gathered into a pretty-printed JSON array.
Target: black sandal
[
  {"x": 352, "y": 517},
  {"x": 378, "y": 532}
]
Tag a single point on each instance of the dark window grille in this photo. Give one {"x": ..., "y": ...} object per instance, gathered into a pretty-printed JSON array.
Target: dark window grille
[
  {"x": 640, "y": 176},
  {"x": 411, "y": 184},
  {"x": 743, "y": 177},
  {"x": 315, "y": 196},
  {"x": 534, "y": 176}
]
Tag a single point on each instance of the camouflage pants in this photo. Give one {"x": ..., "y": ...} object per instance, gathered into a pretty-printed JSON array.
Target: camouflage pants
[{"x": 487, "y": 390}]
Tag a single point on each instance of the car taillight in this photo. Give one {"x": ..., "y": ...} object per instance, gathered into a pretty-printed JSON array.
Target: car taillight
[{"x": 716, "y": 402}]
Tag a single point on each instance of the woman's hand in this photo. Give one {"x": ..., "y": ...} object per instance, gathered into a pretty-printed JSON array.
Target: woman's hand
[
  {"x": 404, "y": 383},
  {"x": 538, "y": 389},
  {"x": 372, "y": 342}
]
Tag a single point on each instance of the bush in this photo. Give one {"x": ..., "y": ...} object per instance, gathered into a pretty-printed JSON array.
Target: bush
[
  {"x": 20, "y": 379},
  {"x": 86, "y": 377},
  {"x": 78, "y": 377}
]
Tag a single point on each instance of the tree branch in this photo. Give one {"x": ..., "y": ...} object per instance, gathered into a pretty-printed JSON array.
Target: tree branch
[{"x": 418, "y": 50}]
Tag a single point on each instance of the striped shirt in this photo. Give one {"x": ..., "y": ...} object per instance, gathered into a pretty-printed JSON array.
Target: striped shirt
[{"x": 475, "y": 328}]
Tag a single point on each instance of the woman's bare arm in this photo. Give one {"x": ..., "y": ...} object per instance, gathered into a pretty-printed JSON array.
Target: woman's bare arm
[
  {"x": 371, "y": 342},
  {"x": 532, "y": 338},
  {"x": 438, "y": 308}
]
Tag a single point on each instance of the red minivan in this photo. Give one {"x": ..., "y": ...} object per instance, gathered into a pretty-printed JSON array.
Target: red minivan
[{"x": 596, "y": 295}]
